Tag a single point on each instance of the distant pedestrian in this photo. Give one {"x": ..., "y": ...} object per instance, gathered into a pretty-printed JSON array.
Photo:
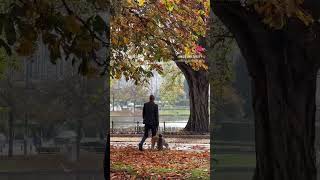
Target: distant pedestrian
[{"x": 150, "y": 116}]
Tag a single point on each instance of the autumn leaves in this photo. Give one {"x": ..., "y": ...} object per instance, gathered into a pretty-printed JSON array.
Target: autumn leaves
[
  {"x": 147, "y": 33},
  {"x": 129, "y": 162}
]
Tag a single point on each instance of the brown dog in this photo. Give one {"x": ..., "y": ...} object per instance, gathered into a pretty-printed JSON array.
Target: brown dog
[{"x": 160, "y": 142}]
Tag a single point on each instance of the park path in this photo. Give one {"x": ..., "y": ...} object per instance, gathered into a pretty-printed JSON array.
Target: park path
[{"x": 186, "y": 144}]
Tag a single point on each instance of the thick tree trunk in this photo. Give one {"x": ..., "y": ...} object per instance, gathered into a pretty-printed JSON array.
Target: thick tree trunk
[
  {"x": 10, "y": 124},
  {"x": 284, "y": 111},
  {"x": 199, "y": 95},
  {"x": 282, "y": 65},
  {"x": 106, "y": 161}
]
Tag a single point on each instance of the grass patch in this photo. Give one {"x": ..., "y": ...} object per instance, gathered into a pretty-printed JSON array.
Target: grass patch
[
  {"x": 238, "y": 160},
  {"x": 175, "y": 112},
  {"x": 123, "y": 167},
  {"x": 199, "y": 174}
]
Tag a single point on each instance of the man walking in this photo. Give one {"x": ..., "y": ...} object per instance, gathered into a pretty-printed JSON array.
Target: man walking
[{"x": 150, "y": 116}]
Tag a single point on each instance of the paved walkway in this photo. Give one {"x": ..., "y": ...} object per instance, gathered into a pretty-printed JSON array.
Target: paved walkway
[{"x": 174, "y": 143}]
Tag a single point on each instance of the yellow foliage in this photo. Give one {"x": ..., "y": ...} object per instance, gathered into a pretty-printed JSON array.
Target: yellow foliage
[
  {"x": 126, "y": 40},
  {"x": 152, "y": 29},
  {"x": 141, "y": 2},
  {"x": 276, "y": 12}
]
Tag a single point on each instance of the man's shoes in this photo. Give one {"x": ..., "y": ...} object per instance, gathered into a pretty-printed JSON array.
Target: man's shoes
[{"x": 140, "y": 147}]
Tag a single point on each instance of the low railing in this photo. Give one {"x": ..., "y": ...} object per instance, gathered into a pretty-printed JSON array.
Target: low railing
[{"x": 137, "y": 127}]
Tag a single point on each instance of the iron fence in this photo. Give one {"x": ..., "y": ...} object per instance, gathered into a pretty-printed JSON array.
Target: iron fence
[{"x": 137, "y": 127}]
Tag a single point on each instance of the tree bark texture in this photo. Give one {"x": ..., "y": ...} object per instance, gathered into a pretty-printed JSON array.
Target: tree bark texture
[
  {"x": 282, "y": 65},
  {"x": 198, "y": 82}
]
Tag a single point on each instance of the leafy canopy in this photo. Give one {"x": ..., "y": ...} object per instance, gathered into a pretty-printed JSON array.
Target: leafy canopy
[
  {"x": 145, "y": 33},
  {"x": 72, "y": 29},
  {"x": 277, "y": 12}
]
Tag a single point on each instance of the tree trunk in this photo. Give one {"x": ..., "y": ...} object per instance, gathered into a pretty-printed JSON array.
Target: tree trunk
[
  {"x": 282, "y": 66},
  {"x": 284, "y": 111},
  {"x": 106, "y": 161},
  {"x": 199, "y": 95}
]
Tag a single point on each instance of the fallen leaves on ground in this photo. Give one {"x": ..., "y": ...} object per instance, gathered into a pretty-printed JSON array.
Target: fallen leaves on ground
[{"x": 130, "y": 163}]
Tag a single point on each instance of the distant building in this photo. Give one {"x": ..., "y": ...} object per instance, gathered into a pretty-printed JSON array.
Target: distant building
[{"x": 39, "y": 67}]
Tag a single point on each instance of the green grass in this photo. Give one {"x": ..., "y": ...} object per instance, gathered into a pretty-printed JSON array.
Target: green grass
[
  {"x": 235, "y": 160},
  {"x": 195, "y": 174},
  {"x": 175, "y": 112},
  {"x": 199, "y": 174},
  {"x": 123, "y": 167}
]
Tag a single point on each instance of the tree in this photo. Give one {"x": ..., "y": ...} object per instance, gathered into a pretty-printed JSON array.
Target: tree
[
  {"x": 12, "y": 94},
  {"x": 220, "y": 47},
  {"x": 21, "y": 99},
  {"x": 84, "y": 103},
  {"x": 134, "y": 93},
  {"x": 242, "y": 85},
  {"x": 147, "y": 33},
  {"x": 172, "y": 86},
  {"x": 113, "y": 91},
  {"x": 280, "y": 46},
  {"x": 70, "y": 30}
]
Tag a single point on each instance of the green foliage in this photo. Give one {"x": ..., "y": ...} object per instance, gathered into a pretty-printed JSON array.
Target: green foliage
[
  {"x": 242, "y": 85},
  {"x": 7, "y": 63},
  {"x": 220, "y": 50},
  {"x": 172, "y": 87},
  {"x": 230, "y": 105},
  {"x": 199, "y": 174},
  {"x": 73, "y": 28}
]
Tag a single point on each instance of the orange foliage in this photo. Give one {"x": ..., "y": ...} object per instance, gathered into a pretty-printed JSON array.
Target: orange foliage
[{"x": 145, "y": 163}]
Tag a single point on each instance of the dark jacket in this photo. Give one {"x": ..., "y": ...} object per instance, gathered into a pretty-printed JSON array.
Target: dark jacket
[{"x": 150, "y": 114}]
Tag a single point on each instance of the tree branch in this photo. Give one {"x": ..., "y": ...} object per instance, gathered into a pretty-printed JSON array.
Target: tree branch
[{"x": 92, "y": 33}]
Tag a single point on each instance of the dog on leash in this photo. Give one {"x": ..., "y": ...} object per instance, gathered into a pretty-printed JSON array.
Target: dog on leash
[{"x": 160, "y": 142}]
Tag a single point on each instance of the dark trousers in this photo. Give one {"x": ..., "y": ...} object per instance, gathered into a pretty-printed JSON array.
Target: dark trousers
[{"x": 147, "y": 128}]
